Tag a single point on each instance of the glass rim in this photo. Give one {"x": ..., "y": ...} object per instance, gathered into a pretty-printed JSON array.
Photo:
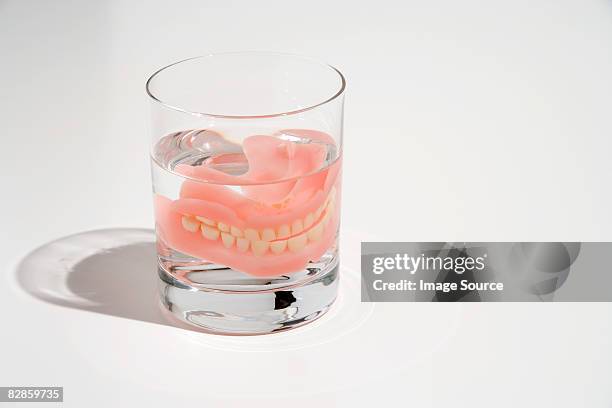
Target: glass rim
[{"x": 159, "y": 100}]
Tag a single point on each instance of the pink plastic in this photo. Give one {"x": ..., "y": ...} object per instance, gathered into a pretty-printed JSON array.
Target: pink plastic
[{"x": 285, "y": 184}]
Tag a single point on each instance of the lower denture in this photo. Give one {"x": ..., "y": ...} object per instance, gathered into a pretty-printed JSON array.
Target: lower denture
[{"x": 294, "y": 238}]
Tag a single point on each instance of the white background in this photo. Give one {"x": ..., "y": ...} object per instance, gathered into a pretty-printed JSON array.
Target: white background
[{"x": 471, "y": 120}]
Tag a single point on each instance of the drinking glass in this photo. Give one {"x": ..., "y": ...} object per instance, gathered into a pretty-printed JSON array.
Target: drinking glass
[{"x": 246, "y": 160}]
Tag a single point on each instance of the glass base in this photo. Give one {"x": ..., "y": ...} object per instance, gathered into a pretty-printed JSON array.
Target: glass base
[{"x": 215, "y": 300}]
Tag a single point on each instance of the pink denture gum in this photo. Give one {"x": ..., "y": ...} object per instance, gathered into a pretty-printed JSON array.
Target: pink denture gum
[{"x": 285, "y": 215}]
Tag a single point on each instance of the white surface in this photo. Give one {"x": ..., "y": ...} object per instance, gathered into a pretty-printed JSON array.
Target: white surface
[{"x": 472, "y": 120}]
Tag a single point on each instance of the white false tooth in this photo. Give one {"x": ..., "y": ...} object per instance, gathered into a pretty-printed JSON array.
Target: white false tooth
[
  {"x": 190, "y": 224},
  {"x": 206, "y": 221},
  {"x": 319, "y": 212},
  {"x": 260, "y": 247},
  {"x": 296, "y": 244},
  {"x": 242, "y": 244},
  {"x": 309, "y": 220},
  {"x": 283, "y": 231},
  {"x": 268, "y": 234},
  {"x": 209, "y": 232},
  {"x": 228, "y": 239},
  {"x": 331, "y": 206},
  {"x": 251, "y": 234},
  {"x": 237, "y": 232},
  {"x": 316, "y": 233},
  {"x": 326, "y": 217},
  {"x": 278, "y": 246},
  {"x": 297, "y": 227},
  {"x": 223, "y": 227},
  {"x": 332, "y": 195}
]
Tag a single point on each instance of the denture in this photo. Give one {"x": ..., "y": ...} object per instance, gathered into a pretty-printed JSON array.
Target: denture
[{"x": 272, "y": 220}]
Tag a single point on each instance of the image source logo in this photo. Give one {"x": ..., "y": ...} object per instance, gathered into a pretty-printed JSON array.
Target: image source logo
[
  {"x": 412, "y": 264},
  {"x": 485, "y": 271}
]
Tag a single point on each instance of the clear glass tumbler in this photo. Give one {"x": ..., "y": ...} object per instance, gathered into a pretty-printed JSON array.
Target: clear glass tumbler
[{"x": 246, "y": 161}]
